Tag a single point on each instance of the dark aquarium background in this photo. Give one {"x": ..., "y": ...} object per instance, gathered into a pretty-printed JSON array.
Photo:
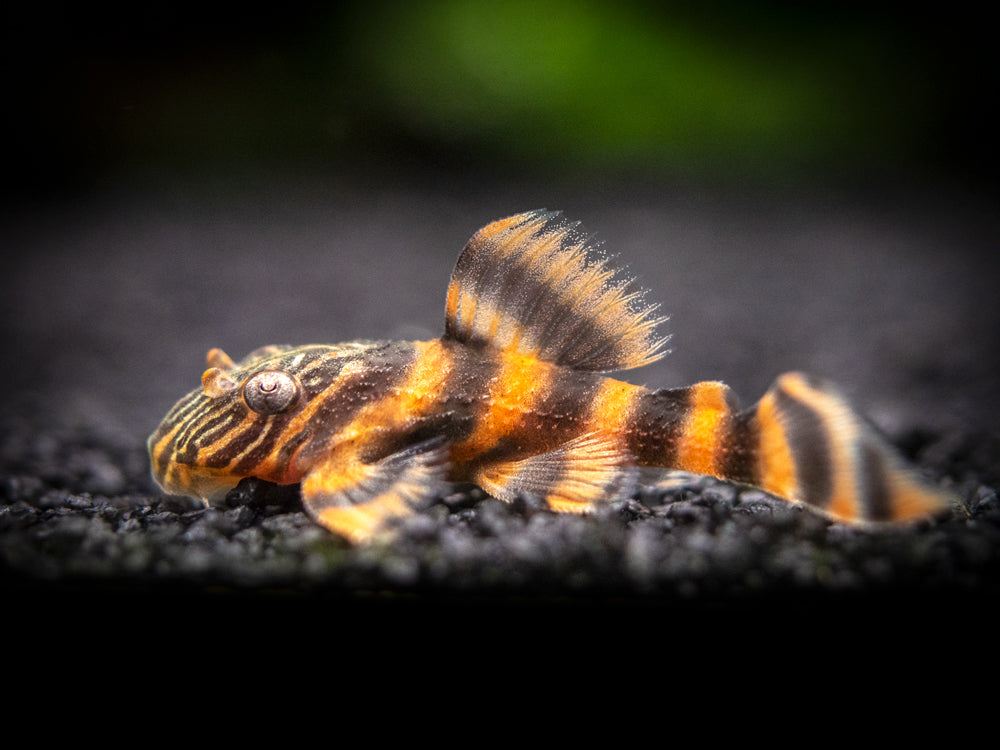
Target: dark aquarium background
[{"x": 721, "y": 91}]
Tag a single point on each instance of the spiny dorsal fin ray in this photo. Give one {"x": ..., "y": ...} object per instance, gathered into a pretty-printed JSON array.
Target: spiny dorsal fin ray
[{"x": 534, "y": 284}]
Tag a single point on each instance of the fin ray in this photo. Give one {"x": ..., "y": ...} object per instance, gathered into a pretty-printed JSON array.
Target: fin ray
[
  {"x": 534, "y": 284},
  {"x": 573, "y": 477},
  {"x": 815, "y": 449},
  {"x": 357, "y": 499}
]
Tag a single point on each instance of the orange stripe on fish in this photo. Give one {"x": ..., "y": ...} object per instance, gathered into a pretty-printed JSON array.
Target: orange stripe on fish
[{"x": 699, "y": 443}]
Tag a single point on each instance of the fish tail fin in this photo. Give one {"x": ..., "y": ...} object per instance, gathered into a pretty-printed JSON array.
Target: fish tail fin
[{"x": 811, "y": 447}]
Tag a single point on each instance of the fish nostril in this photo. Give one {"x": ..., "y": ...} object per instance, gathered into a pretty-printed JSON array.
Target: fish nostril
[{"x": 216, "y": 383}]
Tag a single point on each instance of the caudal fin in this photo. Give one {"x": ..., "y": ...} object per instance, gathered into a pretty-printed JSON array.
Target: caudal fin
[{"x": 813, "y": 449}]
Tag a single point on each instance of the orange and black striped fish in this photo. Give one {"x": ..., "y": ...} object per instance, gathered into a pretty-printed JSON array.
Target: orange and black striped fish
[{"x": 511, "y": 397}]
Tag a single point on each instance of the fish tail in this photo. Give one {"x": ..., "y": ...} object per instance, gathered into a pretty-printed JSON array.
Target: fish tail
[
  {"x": 802, "y": 442},
  {"x": 808, "y": 445}
]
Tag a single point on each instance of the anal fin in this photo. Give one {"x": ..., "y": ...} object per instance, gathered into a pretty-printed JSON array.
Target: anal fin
[
  {"x": 357, "y": 500},
  {"x": 573, "y": 477}
]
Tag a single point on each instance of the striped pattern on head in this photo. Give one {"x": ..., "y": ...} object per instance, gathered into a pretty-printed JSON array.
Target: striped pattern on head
[{"x": 212, "y": 438}]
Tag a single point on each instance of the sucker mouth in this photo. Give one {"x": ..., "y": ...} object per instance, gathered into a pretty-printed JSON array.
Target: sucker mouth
[{"x": 199, "y": 483}]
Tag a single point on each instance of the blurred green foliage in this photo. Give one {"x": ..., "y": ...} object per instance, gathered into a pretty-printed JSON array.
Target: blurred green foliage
[
  {"x": 608, "y": 83},
  {"x": 543, "y": 84}
]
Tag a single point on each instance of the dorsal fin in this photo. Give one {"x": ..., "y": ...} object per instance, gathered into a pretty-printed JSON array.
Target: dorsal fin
[{"x": 534, "y": 284}]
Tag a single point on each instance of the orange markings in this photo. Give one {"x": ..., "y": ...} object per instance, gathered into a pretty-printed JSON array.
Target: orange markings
[
  {"x": 203, "y": 482},
  {"x": 218, "y": 358},
  {"x": 451, "y": 302},
  {"x": 565, "y": 505},
  {"x": 777, "y": 467},
  {"x": 335, "y": 476},
  {"x": 215, "y": 383},
  {"x": 417, "y": 395},
  {"x": 468, "y": 302},
  {"x": 700, "y": 440},
  {"x": 843, "y": 434},
  {"x": 359, "y": 522},
  {"x": 520, "y": 381},
  {"x": 612, "y": 405},
  {"x": 910, "y": 500}
]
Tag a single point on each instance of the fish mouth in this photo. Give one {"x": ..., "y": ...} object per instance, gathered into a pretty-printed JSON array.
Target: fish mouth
[
  {"x": 194, "y": 482},
  {"x": 202, "y": 483},
  {"x": 185, "y": 479}
]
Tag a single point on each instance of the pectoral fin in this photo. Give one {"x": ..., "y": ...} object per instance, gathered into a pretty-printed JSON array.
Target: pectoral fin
[
  {"x": 571, "y": 478},
  {"x": 356, "y": 499}
]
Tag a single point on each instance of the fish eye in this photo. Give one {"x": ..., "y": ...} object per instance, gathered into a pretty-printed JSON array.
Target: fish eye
[{"x": 271, "y": 391}]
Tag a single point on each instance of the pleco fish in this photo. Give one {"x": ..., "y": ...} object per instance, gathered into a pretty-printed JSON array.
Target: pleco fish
[{"x": 511, "y": 398}]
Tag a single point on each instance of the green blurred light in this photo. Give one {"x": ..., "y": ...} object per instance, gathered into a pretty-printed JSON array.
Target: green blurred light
[{"x": 600, "y": 83}]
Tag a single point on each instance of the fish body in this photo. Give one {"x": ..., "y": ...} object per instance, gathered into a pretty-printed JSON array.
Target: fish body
[{"x": 514, "y": 397}]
